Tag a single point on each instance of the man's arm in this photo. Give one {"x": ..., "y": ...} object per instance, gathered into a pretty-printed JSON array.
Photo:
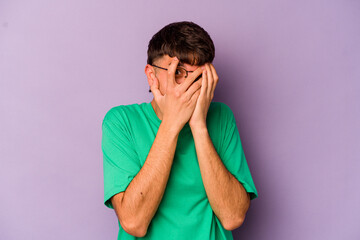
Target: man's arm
[
  {"x": 226, "y": 195},
  {"x": 136, "y": 207}
]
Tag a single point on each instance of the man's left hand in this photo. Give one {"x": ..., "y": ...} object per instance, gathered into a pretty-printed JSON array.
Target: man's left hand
[{"x": 208, "y": 84}]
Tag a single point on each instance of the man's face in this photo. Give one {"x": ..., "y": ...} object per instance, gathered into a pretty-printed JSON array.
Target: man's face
[{"x": 161, "y": 74}]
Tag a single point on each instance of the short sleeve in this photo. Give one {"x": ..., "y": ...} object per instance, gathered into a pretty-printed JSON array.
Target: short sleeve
[
  {"x": 120, "y": 160},
  {"x": 232, "y": 153}
]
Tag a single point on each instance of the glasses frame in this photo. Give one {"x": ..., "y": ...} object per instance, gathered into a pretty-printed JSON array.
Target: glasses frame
[{"x": 187, "y": 72}]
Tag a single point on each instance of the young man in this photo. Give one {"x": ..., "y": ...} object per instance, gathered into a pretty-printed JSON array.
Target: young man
[{"x": 175, "y": 168}]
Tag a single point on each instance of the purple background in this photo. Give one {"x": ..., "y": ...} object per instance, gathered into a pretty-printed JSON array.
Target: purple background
[{"x": 288, "y": 70}]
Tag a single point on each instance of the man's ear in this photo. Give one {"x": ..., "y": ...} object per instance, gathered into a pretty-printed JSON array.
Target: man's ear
[{"x": 150, "y": 74}]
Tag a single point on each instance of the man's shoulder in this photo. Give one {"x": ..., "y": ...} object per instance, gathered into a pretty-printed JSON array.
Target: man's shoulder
[
  {"x": 123, "y": 111},
  {"x": 219, "y": 109},
  {"x": 219, "y": 116}
]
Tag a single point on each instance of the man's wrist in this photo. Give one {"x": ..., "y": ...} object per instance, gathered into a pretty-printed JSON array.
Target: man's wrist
[
  {"x": 170, "y": 128},
  {"x": 199, "y": 129}
]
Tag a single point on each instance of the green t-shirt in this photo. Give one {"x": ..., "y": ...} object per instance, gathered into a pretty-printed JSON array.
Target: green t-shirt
[{"x": 184, "y": 212}]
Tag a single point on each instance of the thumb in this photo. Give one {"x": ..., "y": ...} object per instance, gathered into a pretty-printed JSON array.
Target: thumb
[{"x": 155, "y": 89}]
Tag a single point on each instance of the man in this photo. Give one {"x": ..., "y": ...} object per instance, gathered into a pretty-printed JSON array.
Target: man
[{"x": 175, "y": 168}]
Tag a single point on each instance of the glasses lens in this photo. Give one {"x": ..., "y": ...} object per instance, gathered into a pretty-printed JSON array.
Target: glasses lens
[{"x": 180, "y": 72}]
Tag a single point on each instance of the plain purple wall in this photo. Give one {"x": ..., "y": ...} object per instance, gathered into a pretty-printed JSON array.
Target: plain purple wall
[{"x": 288, "y": 70}]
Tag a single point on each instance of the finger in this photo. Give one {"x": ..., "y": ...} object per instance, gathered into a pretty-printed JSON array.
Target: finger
[
  {"x": 195, "y": 96},
  {"x": 155, "y": 89},
  {"x": 192, "y": 89},
  {"x": 171, "y": 72},
  {"x": 215, "y": 76},
  {"x": 190, "y": 80},
  {"x": 210, "y": 79},
  {"x": 205, "y": 83}
]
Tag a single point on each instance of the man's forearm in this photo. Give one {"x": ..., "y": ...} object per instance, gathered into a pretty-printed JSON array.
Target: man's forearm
[
  {"x": 227, "y": 197},
  {"x": 143, "y": 195}
]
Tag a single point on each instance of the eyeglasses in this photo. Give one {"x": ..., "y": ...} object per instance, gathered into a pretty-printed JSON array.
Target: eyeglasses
[{"x": 179, "y": 73}]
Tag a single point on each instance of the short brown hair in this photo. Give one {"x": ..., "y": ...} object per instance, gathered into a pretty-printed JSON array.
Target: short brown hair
[{"x": 186, "y": 40}]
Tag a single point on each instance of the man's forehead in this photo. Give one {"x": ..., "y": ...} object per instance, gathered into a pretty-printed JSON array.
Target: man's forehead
[
  {"x": 167, "y": 60},
  {"x": 179, "y": 64}
]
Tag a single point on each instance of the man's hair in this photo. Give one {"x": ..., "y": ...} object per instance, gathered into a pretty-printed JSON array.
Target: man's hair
[{"x": 186, "y": 40}]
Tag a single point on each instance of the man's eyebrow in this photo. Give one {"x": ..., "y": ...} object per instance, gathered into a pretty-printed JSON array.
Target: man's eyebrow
[{"x": 179, "y": 64}]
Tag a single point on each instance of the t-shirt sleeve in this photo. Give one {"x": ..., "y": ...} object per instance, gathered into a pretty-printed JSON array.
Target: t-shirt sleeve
[
  {"x": 120, "y": 160},
  {"x": 232, "y": 153}
]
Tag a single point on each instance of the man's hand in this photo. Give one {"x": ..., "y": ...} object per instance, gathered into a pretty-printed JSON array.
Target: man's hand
[
  {"x": 209, "y": 82},
  {"x": 178, "y": 103}
]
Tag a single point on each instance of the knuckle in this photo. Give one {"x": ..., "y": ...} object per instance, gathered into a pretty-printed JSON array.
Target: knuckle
[
  {"x": 177, "y": 93},
  {"x": 171, "y": 91}
]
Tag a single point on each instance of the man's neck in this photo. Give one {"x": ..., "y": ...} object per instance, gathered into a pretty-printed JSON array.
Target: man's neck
[{"x": 156, "y": 109}]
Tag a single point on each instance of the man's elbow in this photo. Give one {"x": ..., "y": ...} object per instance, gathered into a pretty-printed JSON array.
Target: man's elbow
[
  {"x": 232, "y": 225},
  {"x": 134, "y": 229},
  {"x": 236, "y": 222}
]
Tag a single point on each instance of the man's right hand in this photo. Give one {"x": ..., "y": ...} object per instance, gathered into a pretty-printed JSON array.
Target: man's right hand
[{"x": 179, "y": 101}]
